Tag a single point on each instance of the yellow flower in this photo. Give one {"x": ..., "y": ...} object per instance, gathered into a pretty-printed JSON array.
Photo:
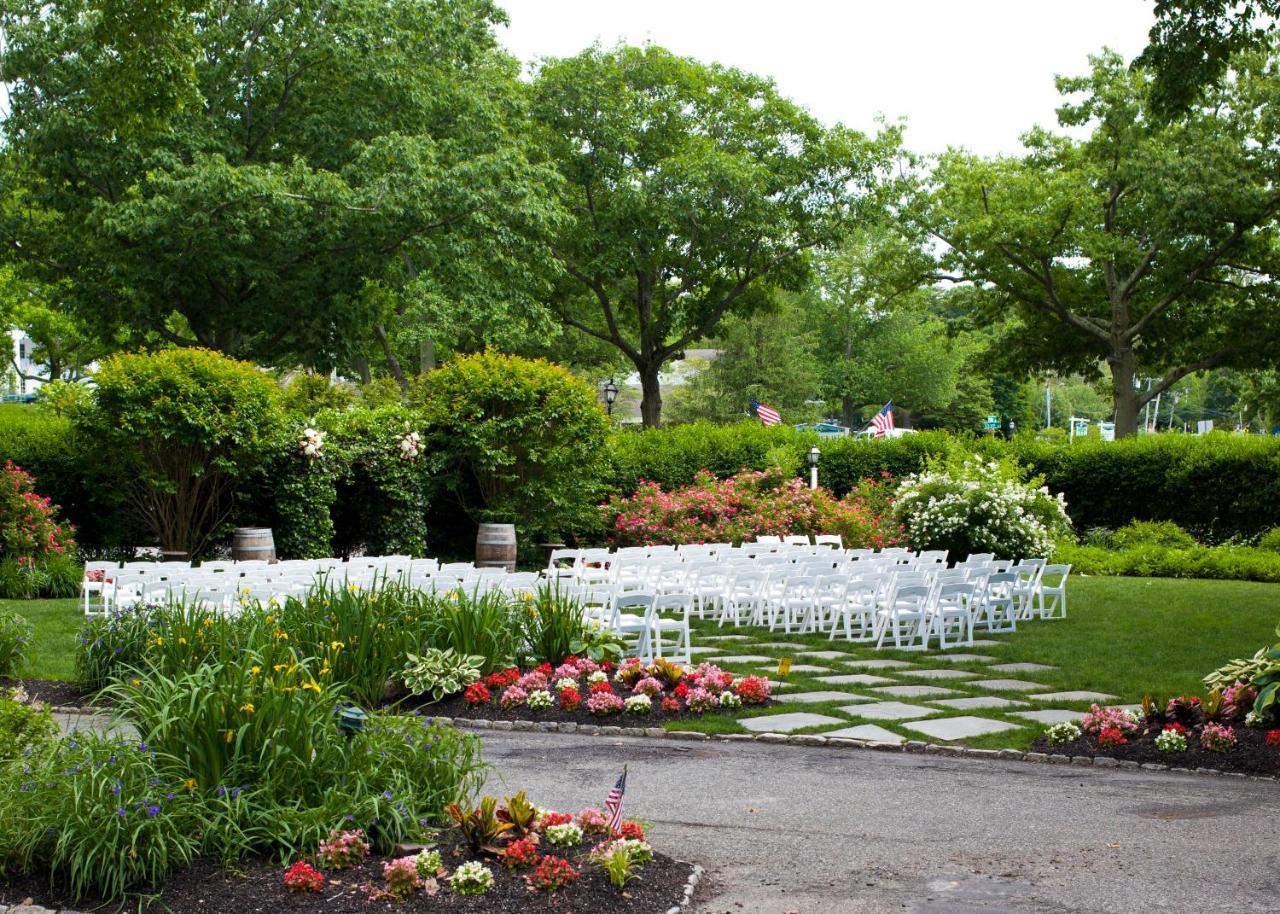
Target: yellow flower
[
  {"x": 189, "y": 783},
  {"x": 279, "y": 666},
  {"x": 182, "y": 640},
  {"x": 255, "y": 670},
  {"x": 135, "y": 682},
  {"x": 312, "y": 685},
  {"x": 247, "y": 707},
  {"x": 282, "y": 636},
  {"x": 230, "y": 735},
  {"x": 336, "y": 645},
  {"x": 324, "y": 670}
]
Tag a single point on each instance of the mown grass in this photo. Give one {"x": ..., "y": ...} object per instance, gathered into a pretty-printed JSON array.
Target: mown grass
[{"x": 54, "y": 623}]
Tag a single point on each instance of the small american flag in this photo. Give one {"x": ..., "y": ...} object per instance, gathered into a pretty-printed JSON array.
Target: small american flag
[
  {"x": 613, "y": 802},
  {"x": 882, "y": 422},
  {"x": 767, "y": 414}
]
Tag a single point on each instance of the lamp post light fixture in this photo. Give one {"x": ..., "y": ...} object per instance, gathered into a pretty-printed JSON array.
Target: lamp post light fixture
[
  {"x": 610, "y": 394},
  {"x": 814, "y": 456},
  {"x": 351, "y": 720}
]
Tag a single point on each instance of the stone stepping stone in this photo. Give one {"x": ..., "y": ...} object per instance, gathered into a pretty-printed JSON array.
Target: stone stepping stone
[
  {"x": 726, "y": 638},
  {"x": 985, "y": 642},
  {"x": 978, "y": 702},
  {"x": 869, "y": 732},
  {"x": 823, "y": 655},
  {"x": 879, "y": 664},
  {"x": 705, "y": 650},
  {"x": 779, "y": 645},
  {"x": 888, "y": 710},
  {"x": 814, "y": 697},
  {"x": 854, "y": 679},
  {"x": 941, "y": 674},
  {"x": 785, "y": 723},
  {"x": 951, "y": 728},
  {"x": 800, "y": 668},
  {"x": 1050, "y": 716},
  {"x": 964, "y": 658},
  {"x": 1022, "y": 667},
  {"x": 1007, "y": 685},
  {"x": 914, "y": 691},
  {"x": 754, "y": 658},
  {"x": 1073, "y": 696}
]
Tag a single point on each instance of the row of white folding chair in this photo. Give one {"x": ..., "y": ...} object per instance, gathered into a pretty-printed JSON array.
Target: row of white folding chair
[{"x": 646, "y": 632}]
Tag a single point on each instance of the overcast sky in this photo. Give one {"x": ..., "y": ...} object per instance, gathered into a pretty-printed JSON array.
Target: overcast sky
[{"x": 971, "y": 73}]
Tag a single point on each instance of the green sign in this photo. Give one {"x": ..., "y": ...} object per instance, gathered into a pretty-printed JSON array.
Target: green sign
[{"x": 993, "y": 422}]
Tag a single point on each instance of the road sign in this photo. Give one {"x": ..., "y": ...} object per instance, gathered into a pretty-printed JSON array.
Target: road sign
[{"x": 992, "y": 423}]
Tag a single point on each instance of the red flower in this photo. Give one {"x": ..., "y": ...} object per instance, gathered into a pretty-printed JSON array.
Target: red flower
[
  {"x": 1175, "y": 727},
  {"x": 1273, "y": 738},
  {"x": 631, "y": 830},
  {"x": 601, "y": 686},
  {"x": 681, "y": 690},
  {"x": 521, "y": 852},
  {"x": 552, "y": 874},
  {"x": 1111, "y": 738},
  {"x": 570, "y": 698},
  {"x": 547, "y": 819},
  {"x": 303, "y": 878},
  {"x": 477, "y": 694},
  {"x": 671, "y": 705}
]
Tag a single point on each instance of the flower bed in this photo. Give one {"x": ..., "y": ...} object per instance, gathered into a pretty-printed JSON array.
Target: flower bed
[
  {"x": 1185, "y": 732},
  {"x": 538, "y": 876},
  {"x": 580, "y": 690}
]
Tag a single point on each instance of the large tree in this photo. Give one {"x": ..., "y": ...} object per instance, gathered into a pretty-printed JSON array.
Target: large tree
[
  {"x": 305, "y": 150},
  {"x": 1149, "y": 246},
  {"x": 693, "y": 191}
]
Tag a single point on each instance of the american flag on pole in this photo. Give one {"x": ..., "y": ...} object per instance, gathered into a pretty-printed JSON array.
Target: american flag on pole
[
  {"x": 882, "y": 421},
  {"x": 613, "y": 802},
  {"x": 767, "y": 414}
]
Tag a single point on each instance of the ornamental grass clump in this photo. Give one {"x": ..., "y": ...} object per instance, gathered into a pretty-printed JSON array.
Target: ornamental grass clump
[{"x": 15, "y": 635}]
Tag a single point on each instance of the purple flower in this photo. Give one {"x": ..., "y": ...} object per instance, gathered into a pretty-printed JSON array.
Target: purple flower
[
  {"x": 120, "y": 811},
  {"x": 115, "y": 790},
  {"x": 153, "y": 811}
]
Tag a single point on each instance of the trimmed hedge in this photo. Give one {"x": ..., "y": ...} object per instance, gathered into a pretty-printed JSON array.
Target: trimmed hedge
[{"x": 1220, "y": 487}]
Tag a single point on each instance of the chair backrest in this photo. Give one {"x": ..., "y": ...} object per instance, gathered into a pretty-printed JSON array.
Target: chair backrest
[
  {"x": 768, "y": 540},
  {"x": 933, "y": 557},
  {"x": 829, "y": 539},
  {"x": 974, "y": 557},
  {"x": 668, "y": 602},
  {"x": 795, "y": 540},
  {"x": 1055, "y": 571},
  {"x": 1001, "y": 583}
]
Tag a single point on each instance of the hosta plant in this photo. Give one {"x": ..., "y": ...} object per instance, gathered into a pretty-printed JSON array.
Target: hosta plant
[{"x": 438, "y": 673}]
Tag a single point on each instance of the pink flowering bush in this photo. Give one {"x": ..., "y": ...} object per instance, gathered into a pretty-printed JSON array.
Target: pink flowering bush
[
  {"x": 753, "y": 690},
  {"x": 648, "y": 686},
  {"x": 402, "y": 876},
  {"x": 604, "y": 703},
  {"x": 1237, "y": 700},
  {"x": 513, "y": 697},
  {"x": 746, "y": 506},
  {"x": 593, "y": 821},
  {"x": 1217, "y": 738},
  {"x": 710, "y": 677},
  {"x": 1100, "y": 719},
  {"x": 29, "y": 528},
  {"x": 343, "y": 849},
  {"x": 532, "y": 681},
  {"x": 699, "y": 700}
]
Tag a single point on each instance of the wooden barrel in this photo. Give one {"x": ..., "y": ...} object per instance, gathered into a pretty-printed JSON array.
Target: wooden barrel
[
  {"x": 496, "y": 546},
  {"x": 253, "y": 544}
]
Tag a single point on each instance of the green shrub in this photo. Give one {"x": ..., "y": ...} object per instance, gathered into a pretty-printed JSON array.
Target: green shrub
[
  {"x": 474, "y": 624},
  {"x": 15, "y": 635},
  {"x": 108, "y": 645},
  {"x": 516, "y": 440},
  {"x": 1236, "y": 563},
  {"x": 24, "y": 725},
  {"x": 438, "y": 674},
  {"x": 185, "y": 424},
  {"x": 1152, "y": 533},
  {"x": 1270, "y": 540}
]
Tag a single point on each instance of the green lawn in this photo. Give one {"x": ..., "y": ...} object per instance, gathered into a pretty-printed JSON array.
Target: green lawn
[
  {"x": 1124, "y": 636},
  {"x": 52, "y": 652}
]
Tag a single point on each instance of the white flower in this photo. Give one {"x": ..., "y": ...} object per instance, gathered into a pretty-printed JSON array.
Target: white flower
[
  {"x": 410, "y": 446},
  {"x": 311, "y": 443}
]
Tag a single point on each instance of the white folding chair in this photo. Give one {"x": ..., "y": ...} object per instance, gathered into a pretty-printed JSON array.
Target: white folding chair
[
  {"x": 952, "y": 612},
  {"x": 907, "y": 617},
  {"x": 682, "y": 605},
  {"x": 1053, "y": 584}
]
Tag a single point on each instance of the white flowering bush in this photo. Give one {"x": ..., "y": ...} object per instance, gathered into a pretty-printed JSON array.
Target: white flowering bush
[
  {"x": 410, "y": 445},
  {"x": 1065, "y": 732},
  {"x": 564, "y": 835},
  {"x": 980, "y": 506},
  {"x": 472, "y": 878},
  {"x": 311, "y": 443}
]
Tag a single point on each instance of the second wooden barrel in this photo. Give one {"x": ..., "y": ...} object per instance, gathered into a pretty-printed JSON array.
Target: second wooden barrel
[
  {"x": 253, "y": 544},
  {"x": 496, "y": 546}
]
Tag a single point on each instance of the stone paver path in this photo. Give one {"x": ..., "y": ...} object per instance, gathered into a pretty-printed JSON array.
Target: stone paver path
[
  {"x": 1049, "y": 716},
  {"x": 913, "y": 691},
  {"x": 953, "y": 728},
  {"x": 869, "y": 732},
  {"x": 786, "y": 723},
  {"x": 854, "y": 679},
  {"x": 1007, "y": 685},
  {"x": 888, "y": 710}
]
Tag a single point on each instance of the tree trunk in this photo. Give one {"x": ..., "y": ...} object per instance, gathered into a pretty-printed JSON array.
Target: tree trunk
[
  {"x": 393, "y": 362},
  {"x": 651, "y": 396},
  {"x": 847, "y": 410},
  {"x": 1123, "y": 395},
  {"x": 361, "y": 364}
]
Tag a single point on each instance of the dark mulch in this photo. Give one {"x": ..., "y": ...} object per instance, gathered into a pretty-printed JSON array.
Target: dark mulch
[
  {"x": 456, "y": 706},
  {"x": 205, "y": 888},
  {"x": 51, "y": 691},
  {"x": 1251, "y": 754}
]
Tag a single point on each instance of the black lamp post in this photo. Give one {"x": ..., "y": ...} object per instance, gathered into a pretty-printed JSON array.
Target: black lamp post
[
  {"x": 610, "y": 394},
  {"x": 814, "y": 456}
]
